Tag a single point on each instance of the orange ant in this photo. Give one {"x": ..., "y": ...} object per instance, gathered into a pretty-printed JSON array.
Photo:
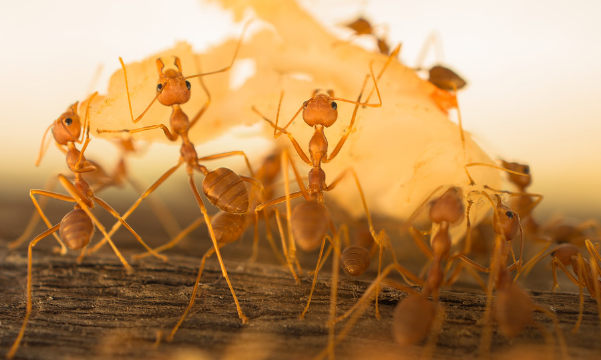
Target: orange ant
[
  {"x": 229, "y": 227},
  {"x": 99, "y": 179},
  {"x": 222, "y": 187},
  {"x": 513, "y": 307},
  {"x": 77, "y": 227},
  {"x": 566, "y": 254},
  {"x": 446, "y": 80},
  {"x": 310, "y": 221},
  {"x": 362, "y": 26}
]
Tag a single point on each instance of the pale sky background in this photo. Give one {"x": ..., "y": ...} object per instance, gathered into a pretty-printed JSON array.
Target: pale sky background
[{"x": 532, "y": 67}]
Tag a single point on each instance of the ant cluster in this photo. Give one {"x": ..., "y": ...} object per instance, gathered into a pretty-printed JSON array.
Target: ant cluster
[{"x": 455, "y": 203}]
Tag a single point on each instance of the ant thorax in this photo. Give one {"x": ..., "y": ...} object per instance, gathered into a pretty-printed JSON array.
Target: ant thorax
[
  {"x": 318, "y": 146},
  {"x": 317, "y": 183}
]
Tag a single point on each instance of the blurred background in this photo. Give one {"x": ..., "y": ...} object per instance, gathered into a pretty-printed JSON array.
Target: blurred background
[{"x": 532, "y": 75}]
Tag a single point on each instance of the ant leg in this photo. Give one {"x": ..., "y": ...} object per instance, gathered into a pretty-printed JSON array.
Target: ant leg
[
  {"x": 596, "y": 286},
  {"x": 128, "y": 98},
  {"x": 35, "y": 218},
  {"x": 159, "y": 209},
  {"x": 171, "y": 137},
  {"x": 270, "y": 239},
  {"x": 152, "y": 188},
  {"x": 203, "y": 210},
  {"x": 33, "y": 242},
  {"x": 580, "y": 287},
  {"x": 492, "y": 166},
  {"x": 560, "y": 338},
  {"x": 334, "y": 289},
  {"x": 283, "y": 130},
  {"x": 360, "y": 307},
  {"x": 228, "y": 154},
  {"x": 323, "y": 243},
  {"x": 419, "y": 241},
  {"x": 348, "y": 130},
  {"x": 176, "y": 240},
  {"x": 572, "y": 278},
  {"x": 40, "y": 212},
  {"x": 112, "y": 211},
  {"x": 434, "y": 331},
  {"x": 289, "y": 261},
  {"x": 76, "y": 195},
  {"x": 530, "y": 264},
  {"x": 207, "y": 254},
  {"x": 595, "y": 257}
]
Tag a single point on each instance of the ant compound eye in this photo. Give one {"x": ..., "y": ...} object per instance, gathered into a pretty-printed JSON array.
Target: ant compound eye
[
  {"x": 159, "y": 87},
  {"x": 526, "y": 169},
  {"x": 188, "y": 85},
  {"x": 68, "y": 121},
  {"x": 509, "y": 214},
  {"x": 334, "y": 105},
  {"x": 305, "y": 104}
]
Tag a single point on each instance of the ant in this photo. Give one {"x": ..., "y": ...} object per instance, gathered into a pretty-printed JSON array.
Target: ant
[
  {"x": 362, "y": 26},
  {"x": 229, "y": 227},
  {"x": 99, "y": 179},
  {"x": 222, "y": 187},
  {"x": 77, "y": 227},
  {"x": 586, "y": 275},
  {"x": 513, "y": 308},
  {"x": 447, "y": 81}
]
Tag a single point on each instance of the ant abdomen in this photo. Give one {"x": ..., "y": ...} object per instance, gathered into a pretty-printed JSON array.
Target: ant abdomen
[
  {"x": 448, "y": 207},
  {"x": 445, "y": 78},
  {"x": 412, "y": 319},
  {"x": 355, "y": 260},
  {"x": 76, "y": 229},
  {"x": 309, "y": 224},
  {"x": 513, "y": 310},
  {"x": 226, "y": 190},
  {"x": 228, "y": 227}
]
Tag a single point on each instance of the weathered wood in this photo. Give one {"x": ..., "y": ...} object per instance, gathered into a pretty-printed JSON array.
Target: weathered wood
[{"x": 96, "y": 311}]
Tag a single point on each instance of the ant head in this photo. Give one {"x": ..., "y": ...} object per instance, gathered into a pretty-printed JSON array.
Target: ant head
[
  {"x": 172, "y": 88},
  {"x": 448, "y": 207},
  {"x": 506, "y": 222},
  {"x": 520, "y": 181},
  {"x": 67, "y": 127},
  {"x": 320, "y": 110}
]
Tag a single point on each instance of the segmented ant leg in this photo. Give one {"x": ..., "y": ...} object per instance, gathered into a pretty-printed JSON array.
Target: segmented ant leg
[
  {"x": 112, "y": 211},
  {"x": 285, "y": 248},
  {"x": 580, "y": 287},
  {"x": 76, "y": 195},
  {"x": 35, "y": 218},
  {"x": 593, "y": 252},
  {"x": 323, "y": 244},
  {"x": 530, "y": 264},
  {"x": 176, "y": 240},
  {"x": 560, "y": 339},
  {"x": 229, "y": 154},
  {"x": 207, "y": 254},
  {"x": 203, "y": 210},
  {"x": 361, "y": 306},
  {"x": 33, "y": 242},
  {"x": 333, "y": 290},
  {"x": 270, "y": 239},
  {"x": 40, "y": 212},
  {"x": 152, "y": 188},
  {"x": 159, "y": 209},
  {"x": 168, "y": 134},
  {"x": 597, "y": 288},
  {"x": 472, "y": 182}
]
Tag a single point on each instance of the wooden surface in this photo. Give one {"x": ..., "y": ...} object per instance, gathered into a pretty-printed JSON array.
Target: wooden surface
[{"x": 96, "y": 311}]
